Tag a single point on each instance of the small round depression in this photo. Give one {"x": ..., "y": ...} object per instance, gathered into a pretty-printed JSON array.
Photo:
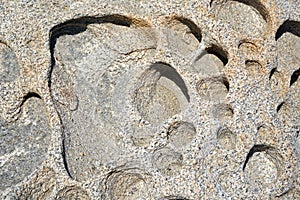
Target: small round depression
[
  {"x": 181, "y": 134},
  {"x": 127, "y": 184},
  {"x": 167, "y": 161},
  {"x": 263, "y": 166},
  {"x": 161, "y": 93},
  {"x": 213, "y": 89},
  {"x": 226, "y": 138},
  {"x": 260, "y": 170},
  {"x": 249, "y": 18}
]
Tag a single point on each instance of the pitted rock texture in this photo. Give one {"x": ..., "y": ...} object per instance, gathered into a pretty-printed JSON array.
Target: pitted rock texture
[{"x": 150, "y": 99}]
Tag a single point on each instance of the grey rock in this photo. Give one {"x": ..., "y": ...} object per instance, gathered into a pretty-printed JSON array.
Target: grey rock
[{"x": 24, "y": 143}]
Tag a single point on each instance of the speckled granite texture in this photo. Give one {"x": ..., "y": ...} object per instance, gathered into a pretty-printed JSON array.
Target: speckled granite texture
[{"x": 150, "y": 99}]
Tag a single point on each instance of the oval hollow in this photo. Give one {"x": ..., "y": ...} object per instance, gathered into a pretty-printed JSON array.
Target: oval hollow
[
  {"x": 226, "y": 138},
  {"x": 249, "y": 18},
  {"x": 181, "y": 134},
  {"x": 162, "y": 93},
  {"x": 213, "y": 89}
]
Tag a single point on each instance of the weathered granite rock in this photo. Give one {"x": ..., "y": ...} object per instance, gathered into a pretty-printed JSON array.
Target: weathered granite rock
[
  {"x": 150, "y": 99},
  {"x": 24, "y": 143}
]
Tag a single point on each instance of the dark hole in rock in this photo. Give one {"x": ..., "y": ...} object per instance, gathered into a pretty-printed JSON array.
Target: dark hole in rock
[{"x": 294, "y": 77}]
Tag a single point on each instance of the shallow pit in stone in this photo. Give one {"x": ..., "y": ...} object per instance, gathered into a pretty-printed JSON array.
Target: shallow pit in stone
[
  {"x": 168, "y": 161},
  {"x": 249, "y": 18},
  {"x": 208, "y": 64},
  {"x": 183, "y": 36},
  {"x": 263, "y": 166},
  {"x": 127, "y": 184},
  {"x": 222, "y": 112},
  {"x": 181, "y": 134},
  {"x": 226, "y": 138},
  {"x": 161, "y": 93},
  {"x": 254, "y": 69},
  {"x": 213, "y": 89},
  {"x": 72, "y": 192},
  {"x": 261, "y": 171}
]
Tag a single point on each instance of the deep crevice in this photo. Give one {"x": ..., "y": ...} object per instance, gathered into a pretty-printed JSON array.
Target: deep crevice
[
  {"x": 294, "y": 77},
  {"x": 254, "y": 149},
  {"x": 219, "y": 52},
  {"x": 65, "y": 159},
  {"x": 272, "y": 72},
  {"x": 279, "y": 106},
  {"x": 288, "y": 26}
]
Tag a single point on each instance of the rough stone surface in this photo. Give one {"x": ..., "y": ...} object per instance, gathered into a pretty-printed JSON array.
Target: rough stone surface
[{"x": 150, "y": 99}]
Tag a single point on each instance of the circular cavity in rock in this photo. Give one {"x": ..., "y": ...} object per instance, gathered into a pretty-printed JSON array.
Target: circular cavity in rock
[
  {"x": 180, "y": 38},
  {"x": 9, "y": 67},
  {"x": 222, "y": 112},
  {"x": 208, "y": 65},
  {"x": 40, "y": 186},
  {"x": 127, "y": 184},
  {"x": 72, "y": 192},
  {"x": 167, "y": 161},
  {"x": 263, "y": 166},
  {"x": 248, "y": 49},
  {"x": 213, "y": 89},
  {"x": 242, "y": 18},
  {"x": 254, "y": 68},
  {"x": 181, "y": 134},
  {"x": 226, "y": 138},
  {"x": 24, "y": 143},
  {"x": 261, "y": 171},
  {"x": 161, "y": 93}
]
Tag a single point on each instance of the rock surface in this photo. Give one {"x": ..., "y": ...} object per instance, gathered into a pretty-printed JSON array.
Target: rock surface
[{"x": 150, "y": 99}]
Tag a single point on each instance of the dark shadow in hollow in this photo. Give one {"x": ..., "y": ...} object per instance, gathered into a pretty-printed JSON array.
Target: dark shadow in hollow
[
  {"x": 219, "y": 52},
  {"x": 28, "y": 96},
  {"x": 195, "y": 30},
  {"x": 254, "y": 149},
  {"x": 272, "y": 72},
  {"x": 169, "y": 72},
  {"x": 294, "y": 77},
  {"x": 288, "y": 26},
  {"x": 279, "y": 106},
  {"x": 256, "y": 4},
  {"x": 215, "y": 50}
]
